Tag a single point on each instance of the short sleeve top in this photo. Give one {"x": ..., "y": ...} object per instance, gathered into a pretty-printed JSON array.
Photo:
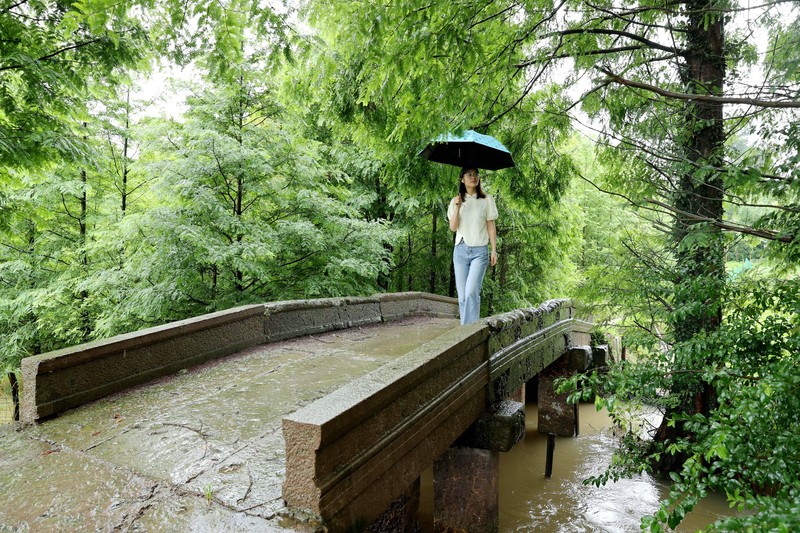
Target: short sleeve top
[{"x": 474, "y": 214}]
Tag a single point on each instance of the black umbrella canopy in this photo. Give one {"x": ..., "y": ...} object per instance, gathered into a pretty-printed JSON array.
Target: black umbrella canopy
[{"x": 469, "y": 149}]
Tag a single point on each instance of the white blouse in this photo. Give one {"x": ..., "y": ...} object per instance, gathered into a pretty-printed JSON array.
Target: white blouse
[{"x": 472, "y": 219}]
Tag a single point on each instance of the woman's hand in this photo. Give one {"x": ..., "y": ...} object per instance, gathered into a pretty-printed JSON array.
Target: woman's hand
[
  {"x": 493, "y": 258},
  {"x": 455, "y": 216}
]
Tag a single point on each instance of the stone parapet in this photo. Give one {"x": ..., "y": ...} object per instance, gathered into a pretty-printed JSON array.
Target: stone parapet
[
  {"x": 398, "y": 305},
  {"x": 295, "y": 318},
  {"x": 351, "y": 453},
  {"x": 525, "y": 341},
  {"x": 63, "y": 379}
]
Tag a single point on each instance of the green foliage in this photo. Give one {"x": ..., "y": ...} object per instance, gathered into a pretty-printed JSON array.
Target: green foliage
[
  {"x": 746, "y": 448},
  {"x": 50, "y": 54},
  {"x": 230, "y": 206}
]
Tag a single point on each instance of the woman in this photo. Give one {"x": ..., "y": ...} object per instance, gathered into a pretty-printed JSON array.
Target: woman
[{"x": 472, "y": 214}]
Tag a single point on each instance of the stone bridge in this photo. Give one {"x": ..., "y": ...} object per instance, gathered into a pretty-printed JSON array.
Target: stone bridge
[{"x": 288, "y": 416}]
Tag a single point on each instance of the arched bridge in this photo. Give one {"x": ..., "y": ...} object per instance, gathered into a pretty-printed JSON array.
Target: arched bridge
[{"x": 284, "y": 416}]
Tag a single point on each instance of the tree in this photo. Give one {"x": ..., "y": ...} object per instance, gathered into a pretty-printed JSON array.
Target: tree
[
  {"x": 248, "y": 208},
  {"x": 49, "y": 56}
]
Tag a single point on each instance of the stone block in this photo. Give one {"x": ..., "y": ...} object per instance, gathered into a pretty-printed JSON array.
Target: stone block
[
  {"x": 438, "y": 306},
  {"x": 498, "y": 429},
  {"x": 578, "y": 358},
  {"x": 403, "y": 304},
  {"x": 362, "y": 311},
  {"x": 465, "y": 491},
  {"x": 401, "y": 515},
  {"x": 286, "y": 320},
  {"x": 556, "y": 416},
  {"x": 600, "y": 356}
]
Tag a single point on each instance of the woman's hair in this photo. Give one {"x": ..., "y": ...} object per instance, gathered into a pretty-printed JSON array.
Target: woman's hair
[{"x": 462, "y": 189}]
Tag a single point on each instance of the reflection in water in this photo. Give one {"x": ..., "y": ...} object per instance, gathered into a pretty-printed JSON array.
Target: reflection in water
[{"x": 531, "y": 502}]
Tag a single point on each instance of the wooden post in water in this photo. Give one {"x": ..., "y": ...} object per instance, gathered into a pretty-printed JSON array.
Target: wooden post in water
[
  {"x": 576, "y": 407},
  {"x": 551, "y": 444}
]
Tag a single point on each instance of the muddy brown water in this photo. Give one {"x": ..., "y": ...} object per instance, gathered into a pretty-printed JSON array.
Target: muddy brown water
[{"x": 530, "y": 502}]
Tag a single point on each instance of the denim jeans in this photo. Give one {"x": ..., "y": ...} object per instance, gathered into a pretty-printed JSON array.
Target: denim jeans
[{"x": 469, "y": 264}]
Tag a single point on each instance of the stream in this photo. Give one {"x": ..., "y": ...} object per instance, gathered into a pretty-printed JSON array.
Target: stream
[{"x": 530, "y": 502}]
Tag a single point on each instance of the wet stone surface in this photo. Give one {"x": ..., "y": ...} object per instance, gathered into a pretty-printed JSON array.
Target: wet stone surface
[{"x": 201, "y": 450}]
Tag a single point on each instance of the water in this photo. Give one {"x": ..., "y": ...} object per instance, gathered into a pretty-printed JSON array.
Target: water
[{"x": 530, "y": 502}]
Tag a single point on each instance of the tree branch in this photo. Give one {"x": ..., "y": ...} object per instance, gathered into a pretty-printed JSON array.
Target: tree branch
[
  {"x": 51, "y": 55},
  {"x": 617, "y": 33},
  {"x": 697, "y": 97},
  {"x": 764, "y": 234},
  {"x": 604, "y": 51},
  {"x": 12, "y": 6}
]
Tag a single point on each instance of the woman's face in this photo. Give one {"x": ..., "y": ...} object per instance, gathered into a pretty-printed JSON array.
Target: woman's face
[{"x": 471, "y": 178}]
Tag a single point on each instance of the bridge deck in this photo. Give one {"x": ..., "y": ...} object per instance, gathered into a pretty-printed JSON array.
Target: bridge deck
[{"x": 199, "y": 450}]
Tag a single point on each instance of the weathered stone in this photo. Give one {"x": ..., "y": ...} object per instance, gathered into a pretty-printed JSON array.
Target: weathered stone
[
  {"x": 401, "y": 515},
  {"x": 63, "y": 379},
  {"x": 290, "y": 319},
  {"x": 578, "y": 358},
  {"x": 513, "y": 366},
  {"x": 556, "y": 416},
  {"x": 349, "y": 454},
  {"x": 465, "y": 491},
  {"x": 600, "y": 355},
  {"x": 352, "y": 453},
  {"x": 518, "y": 395},
  {"x": 403, "y": 304},
  {"x": 498, "y": 429}
]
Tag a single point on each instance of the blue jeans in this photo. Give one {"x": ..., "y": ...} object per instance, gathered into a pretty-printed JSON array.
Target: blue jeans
[{"x": 469, "y": 264}]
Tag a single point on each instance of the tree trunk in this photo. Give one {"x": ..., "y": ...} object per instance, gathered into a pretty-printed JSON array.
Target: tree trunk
[
  {"x": 433, "y": 252},
  {"x": 84, "y": 295},
  {"x": 410, "y": 286},
  {"x": 125, "y": 140},
  {"x": 12, "y": 380},
  {"x": 700, "y": 268}
]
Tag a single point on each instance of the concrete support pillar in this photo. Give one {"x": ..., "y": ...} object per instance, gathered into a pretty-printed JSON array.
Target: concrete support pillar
[
  {"x": 556, "y": 416},
  {"x": 466, "y": 476},
  {"x": 465, "y": 491},
  {"x": 401, "y": 515}
]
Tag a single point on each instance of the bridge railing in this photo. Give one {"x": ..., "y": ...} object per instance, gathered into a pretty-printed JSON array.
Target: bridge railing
[
  {"x": 60, "y": 380},
  {"x": 351, "y": 453}
]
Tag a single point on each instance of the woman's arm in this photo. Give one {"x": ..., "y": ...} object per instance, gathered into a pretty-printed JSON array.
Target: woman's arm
[
  {"x": 455, "y": 207},
  {"x": 491, "y": 229}
]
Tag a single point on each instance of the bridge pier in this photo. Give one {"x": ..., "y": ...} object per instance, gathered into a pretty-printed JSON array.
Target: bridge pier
[
  {"x": 401, "y": 515},
  {"x": 466, "y": 476},
  {"x": 556, "y": 416},
  {"x": 466, "y": 491}
]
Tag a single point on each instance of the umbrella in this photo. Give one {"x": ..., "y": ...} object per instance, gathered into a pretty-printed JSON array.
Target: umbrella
[{"x": 470, "y": 149}]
